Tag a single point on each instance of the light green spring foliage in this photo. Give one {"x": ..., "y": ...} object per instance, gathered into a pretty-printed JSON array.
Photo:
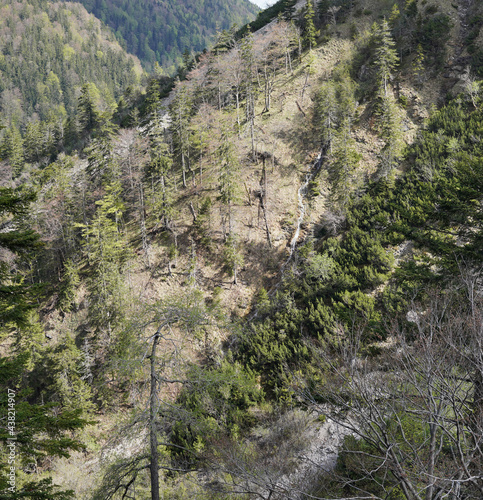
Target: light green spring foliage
[
  {"x": 47, "y": 49},
  {"x": 107, "y": 254}
]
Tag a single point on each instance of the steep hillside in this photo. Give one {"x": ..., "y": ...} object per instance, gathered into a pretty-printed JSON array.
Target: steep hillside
[
  {"x": 161, "y": 31},
  {"x": 268, "y": 284}
]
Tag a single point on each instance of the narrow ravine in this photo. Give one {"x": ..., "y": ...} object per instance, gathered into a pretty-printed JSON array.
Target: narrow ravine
[{"x": 302, "y": 194}]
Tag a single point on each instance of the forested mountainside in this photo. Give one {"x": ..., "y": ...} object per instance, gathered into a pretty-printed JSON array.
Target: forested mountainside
[
  {"x": 261, "y": 279},
  {"x": 48, "y": 52},
  {"x": 162, "y": 31}
]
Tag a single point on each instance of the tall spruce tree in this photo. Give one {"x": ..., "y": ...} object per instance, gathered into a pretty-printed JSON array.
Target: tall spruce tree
[
  {"x": 16, "y": 237},
  {"x": 106, "y": 252},
  {"x": 309, "y": 32},
  {"x": 385, "y": 54},
  {"x": 181, "y": 111}
]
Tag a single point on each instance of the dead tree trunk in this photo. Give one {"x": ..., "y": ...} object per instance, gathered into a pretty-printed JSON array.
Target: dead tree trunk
[{"x": 153, "y": 410}]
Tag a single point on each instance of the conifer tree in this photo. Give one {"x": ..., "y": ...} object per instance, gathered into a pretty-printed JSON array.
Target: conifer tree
[
  {"x": 38, "y": 432},
  {"x": 395, "y": 14},
  {"x": 88, "y": 112},
  {"x": 200, "y": 133},
  {"x": 248, "y": 58},
  {"x": 181, "y": 111},
  {"x": 16, "y": 297},
  {"x": 233, "y": 256},
  {"x": 60, "y": 187},
  {"x": 102, "y": 166},
  {"x": 418, "y": 64},
  {"x": 106, "y": 251},
  {"x": 68, "y": 376},
  {"x": 229, "y": 172},
  {"x": 34, "y": 142},
  {"x": 13, "y": 148},
  {"x": 344, "y": 164},
  {"x": 288, "y": 9},
  {"x": 309, "y": 33},
  {"x": 327, "y": 112},
  {"x": 385, "y": 54},
  {"x": 391, "y": 134},
  {"x": 346, "y": 100},
  {"x": 158, "y": 173}
]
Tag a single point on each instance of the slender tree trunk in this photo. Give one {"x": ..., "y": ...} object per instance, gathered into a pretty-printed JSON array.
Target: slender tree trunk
[
  {"x": 165, "y": 203},
  {"x": 263, "y": 201},
  {"x": 230, "y": 220},
  {"x": 238, "y": 110},
  {"x": 154, "y": 465},
  {"x": 252, "y": 135},
  {"x": 143, "y": 225},
  {"x": 267, "y": 91},
  {"x": 183, "y": 163}
]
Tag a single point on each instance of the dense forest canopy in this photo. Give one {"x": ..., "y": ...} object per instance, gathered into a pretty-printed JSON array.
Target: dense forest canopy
[{"x": 162, "y": 31}]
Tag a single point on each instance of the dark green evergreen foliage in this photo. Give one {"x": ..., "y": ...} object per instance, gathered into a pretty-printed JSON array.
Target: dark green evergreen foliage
[
  {"x": 309, "y": 33},
  {"x": 432, "y": 34},
  {"x": 157, "y": 88},
  {"x": 275, "y": 347},
  {"x": 181, "y": 109},
  {"x": 436, "y": 205},
  {"x": 385, "y": 54},
  {"x": 13, "y": 148},
  {"x": 391, "y": 133},
  {"x": 88, "y": 114},
  {"x": 216, "y": 400},
  {"x": 405, "y": 30},
  {"x": 41, "y": 141},
  {"x": 69, "y": 200},
  {"x": 284, "y": 7},
  {"x": 105, "y": 249},
  {"x": 63, "y": 375},
  {"x": 474, "y": 28},
  {"x": 344, "y": 163},
  {"x": 102, "y": 167},
  {"x": 39, "y": 432},
  {"x": 162, "y": 31},
  {"x": 16, "y": 296}
]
